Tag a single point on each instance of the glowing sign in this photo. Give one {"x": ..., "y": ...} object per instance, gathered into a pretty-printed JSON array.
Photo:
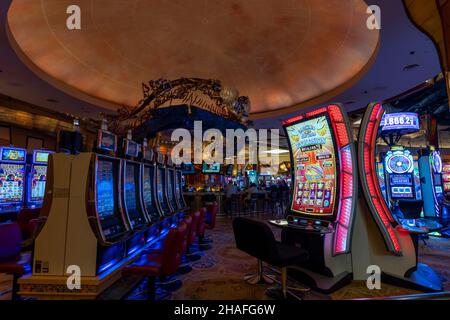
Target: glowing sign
[{"x": 400, "y": 121}]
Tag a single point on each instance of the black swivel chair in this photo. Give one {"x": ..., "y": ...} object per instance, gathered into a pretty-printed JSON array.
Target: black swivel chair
[{"x": 256, "y": 239}]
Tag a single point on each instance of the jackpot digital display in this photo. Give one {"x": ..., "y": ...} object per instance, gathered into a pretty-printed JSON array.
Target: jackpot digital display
[
  {"x": 39, "y": 177},
  {"x": 315, "y": 167},
  {"x": 404, "y": 121},
  {"x": 11, "y": 182},
  {"x": 105, "y": 189}
]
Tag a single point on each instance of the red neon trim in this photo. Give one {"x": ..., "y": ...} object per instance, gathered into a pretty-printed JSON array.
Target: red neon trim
[
  {"x": 316, "y": 112},
  {"x": 292, "y": 120},
  {"x": 371, "y": 177}
]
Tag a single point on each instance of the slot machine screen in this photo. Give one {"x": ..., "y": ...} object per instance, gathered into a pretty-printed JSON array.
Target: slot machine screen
[
  {"x": 170, "y": 185},
  {"x": 105, "y": 189},
  {"x": 41, "y": 157},
  {"x": 147, "y": 186},
  {"x": 160, "y": 184},
  {"x": 11, "y": 182},
  {"x": 315, "y": 167},
  {"x": 131, "y": 192},
  {"x": 107, "y": 141},
  {"x": 9, "y": 154},
  {"x": 39, "y": 178}
]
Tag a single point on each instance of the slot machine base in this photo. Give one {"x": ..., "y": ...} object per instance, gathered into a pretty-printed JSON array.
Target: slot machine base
[
  {"x": 55, "y": 287},
  {"x": 422, "y": 279},
  {"x": 319, "y": 282}
]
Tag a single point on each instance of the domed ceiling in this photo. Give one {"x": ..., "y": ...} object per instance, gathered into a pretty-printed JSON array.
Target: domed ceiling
[{"x": 284, "y": 55}]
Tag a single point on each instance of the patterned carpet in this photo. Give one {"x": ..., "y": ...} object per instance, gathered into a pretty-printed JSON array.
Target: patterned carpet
[
  {"x": 220, "y": 271},
  {"x": 219, "y": 274}
]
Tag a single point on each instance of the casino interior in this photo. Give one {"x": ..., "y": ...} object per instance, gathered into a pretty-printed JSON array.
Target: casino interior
[{"x": 211, "y": 150}]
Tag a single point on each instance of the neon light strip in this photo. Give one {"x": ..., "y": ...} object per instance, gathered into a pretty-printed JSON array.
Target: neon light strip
[
  {"x": 371, "y": 188},
  {"x": 347, "y": 174}
]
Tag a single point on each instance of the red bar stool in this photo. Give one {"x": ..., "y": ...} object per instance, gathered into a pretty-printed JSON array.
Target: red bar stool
[
  {"x": 11, "y": 261},
  {"x": 159, "y": 264},
  {"x": 193, "y": 256}
]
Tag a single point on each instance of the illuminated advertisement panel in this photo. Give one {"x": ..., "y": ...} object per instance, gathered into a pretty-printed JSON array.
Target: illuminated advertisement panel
[{"x": 315, "y": 169}]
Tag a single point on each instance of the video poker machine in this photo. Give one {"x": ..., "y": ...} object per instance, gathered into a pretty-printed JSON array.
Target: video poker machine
[
  {"x": 12, "y": 179},
  {"x": 36, "y": 178},
  {"x": 391, "y": 212},
  {"x": 132, "y": 190},
  {"x": 324, "y": 176}
]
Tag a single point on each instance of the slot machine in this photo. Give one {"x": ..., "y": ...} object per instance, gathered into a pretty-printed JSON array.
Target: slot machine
[
  {"x": 430, "y": 164},
  {"x": 12, "y": 179},
  {"x": 179, "y": 188},
  {"x": 446, "y": 179},
  {"x": 400, "y": 169},
  {"x": 393, "y": 225},
  {"x": 36, "y": 178},
  {"x": 91, "y": 229},
  {"x": 148, "y": 192},
  {"x": 132, "y": 200},
  {"x": 171, "y": 184},
  {"x": 161, "y": 186},
  {"x": 324, "y": 178}
]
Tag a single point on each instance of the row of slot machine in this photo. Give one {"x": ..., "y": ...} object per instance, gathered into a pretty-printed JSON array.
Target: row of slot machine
[
  {"x": 22, "y": 179},
  {"x": 358, "y": 204},
  {"x": 103, "y": 208}
]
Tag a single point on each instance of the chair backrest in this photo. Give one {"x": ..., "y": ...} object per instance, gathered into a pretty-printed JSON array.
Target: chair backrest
[
  {"x": 10, "y": 241},
  {"x": 193, "y": 230},
  {"x": 211, "y": 214},
  {"x": 255, "y": 238},
  {"x": 171, "y": 254}
]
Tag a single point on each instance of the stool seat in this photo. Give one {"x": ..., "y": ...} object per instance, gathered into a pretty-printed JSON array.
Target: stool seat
[
  {"x": 14, "y": 267},
  {"x": 148, "y": 265}
]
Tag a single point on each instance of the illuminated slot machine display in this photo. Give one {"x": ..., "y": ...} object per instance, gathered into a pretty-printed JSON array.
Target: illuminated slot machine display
[
  {"x": 398, "y": 217},
  {"x": 179, "y": 189},
  {"x": 431, "y": 167},
  {"x": 161, "y": 186},
  {"x": 324, "y": 178},
  {"x": 36, "y": 178},
  {"x": 148, "y": 193},
  {"x": 132, "y": 189},
  {"x": 171, "y": 184},
  {"x": 446, "y": 180},
  {"x": 12, "y": 179}
]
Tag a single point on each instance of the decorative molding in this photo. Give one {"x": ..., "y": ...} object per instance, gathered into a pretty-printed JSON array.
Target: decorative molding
[{"x": 206, "y": 94}]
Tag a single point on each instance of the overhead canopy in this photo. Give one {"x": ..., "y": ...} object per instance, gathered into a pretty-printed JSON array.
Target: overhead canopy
[{"x": 284, "y": 55}]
